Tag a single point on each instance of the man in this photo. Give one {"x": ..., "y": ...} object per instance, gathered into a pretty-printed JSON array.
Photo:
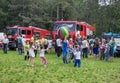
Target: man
[
  {"x": 23, "y": 43},
  {"x": 59, "y": 45},
  {"x": 65, "y": 51},
  {"x": 19, "y": 45},
  {"x": 5, "y": 44}
]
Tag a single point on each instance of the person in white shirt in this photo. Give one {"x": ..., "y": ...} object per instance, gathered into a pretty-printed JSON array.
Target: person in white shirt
[
  {"x": 45, "y": 44},
  {"x": 59, "y": 45},
  {"x": 85, "y": 46},
  {"x": 23, "y": 43},
  {"x": 5, "y": 42},
  {"x": 50, "y": 44},
  {"x": 77, "y": 54}
]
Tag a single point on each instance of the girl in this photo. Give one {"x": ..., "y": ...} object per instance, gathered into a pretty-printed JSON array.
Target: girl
[
  {"x": 107, "y": 52},
  {"x": 111, "y": 51},
  {"x": 31, "y": 54},
  {"x": 42, "y": 55}
]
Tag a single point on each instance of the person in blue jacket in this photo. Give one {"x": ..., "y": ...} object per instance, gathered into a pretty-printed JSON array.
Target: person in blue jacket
[{"x": 64, "y": 50}]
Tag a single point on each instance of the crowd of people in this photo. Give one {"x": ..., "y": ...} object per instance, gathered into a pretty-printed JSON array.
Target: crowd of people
[
  {"x": 71, "y": 50},
  {"x": 82, "y": 47}
]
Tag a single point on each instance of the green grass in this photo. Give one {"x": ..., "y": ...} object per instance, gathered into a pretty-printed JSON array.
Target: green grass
[{"x": 13, "y": 69}]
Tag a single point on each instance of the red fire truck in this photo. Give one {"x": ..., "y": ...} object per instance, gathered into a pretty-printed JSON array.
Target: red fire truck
[
  {"x": 27, "y": 32},
  {"x": 74, "y": 28}
]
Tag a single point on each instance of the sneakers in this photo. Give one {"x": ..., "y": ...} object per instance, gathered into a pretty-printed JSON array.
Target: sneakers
[
  {"x": 44, "y": 65},
  {"x": 27, "y": 64},
  {"x": 32, "y": 65}
]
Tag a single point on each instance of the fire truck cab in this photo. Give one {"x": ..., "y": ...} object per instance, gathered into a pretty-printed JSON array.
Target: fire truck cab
[{"x": 74, "y": 28}]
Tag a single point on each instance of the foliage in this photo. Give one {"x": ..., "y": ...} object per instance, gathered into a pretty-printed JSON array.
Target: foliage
[
  {"x": 14, "y": 69},
  {"x": 43, "y": 13}
]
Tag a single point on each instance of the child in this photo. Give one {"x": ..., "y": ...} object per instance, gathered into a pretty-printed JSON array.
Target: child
[
  {"x": 102, "y": 49},
  {"x": 42, "y": 55},
  {"x": 31, "y": 54},
  {"x": 27, "y": 47},
  {"x": 77, "y": 54},
  {"x": 107, "y": 52},
  {"x": 70, "y": 52}
]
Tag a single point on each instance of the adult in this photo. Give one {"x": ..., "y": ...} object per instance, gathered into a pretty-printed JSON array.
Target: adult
[
  {"x": 46, "y": 44},
  {"x": 50, "y": 44},
  {"x": 23, "y": 43},
  {"x": 5, "y": 42},
  {"x": 59, "y": 45},
  {"x": 35, "y": 46},
  {"x": 85, "y": 46},
  {"x": 96, "y": 48},
  {"x": 80, "y": 39},
  {"x": 42, "y": 41},
  {"x": 65, "y": 51},
  {"x": 112, "y": 45},
  {"x": 19, "y": 41},
  {"x": 91, "y": 43},
  {"x": 102, "y": 49}
]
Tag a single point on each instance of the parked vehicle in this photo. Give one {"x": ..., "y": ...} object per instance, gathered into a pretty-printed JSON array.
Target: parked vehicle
[
  {"x": 1, "y": 38},
  {"x": 74, "y": 28},
  {"x": 27, "y": 32},
  {"x": 117, "y": 47}
]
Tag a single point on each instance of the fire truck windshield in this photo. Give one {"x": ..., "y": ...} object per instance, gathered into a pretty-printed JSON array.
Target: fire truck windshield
[
  {"x": 12, "y": 31},
  {"x": 69, "y": 26}
]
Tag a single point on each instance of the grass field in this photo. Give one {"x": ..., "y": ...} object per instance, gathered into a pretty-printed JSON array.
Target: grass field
[{"x": 13, "y": 69}]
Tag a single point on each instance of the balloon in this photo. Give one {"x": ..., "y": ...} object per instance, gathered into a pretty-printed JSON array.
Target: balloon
[{"x": 63, "y": 32}]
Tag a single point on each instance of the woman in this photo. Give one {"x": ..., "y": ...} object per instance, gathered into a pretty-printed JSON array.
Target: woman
[
  {"x": 96, "y": 48},
  {"x": 112, "y": 45}
]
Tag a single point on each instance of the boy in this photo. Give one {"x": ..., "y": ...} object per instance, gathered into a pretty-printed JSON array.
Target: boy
[{"x": 77, "y": 54}]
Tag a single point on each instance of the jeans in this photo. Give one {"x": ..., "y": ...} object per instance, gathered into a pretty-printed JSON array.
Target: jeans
[
  {"x": 107, "y": 56},
  {"x": 77, "y": 62},
  {"x": 111, "y": 52},
  {"x": 5, "y": 46},
  {"x": 85, "y": 52},
  {"x": 58, "y": 51},
  {"x": 19, "y": 48},
  {"x": 102, "y": 55},
  {"x": 64, "y": 56}
]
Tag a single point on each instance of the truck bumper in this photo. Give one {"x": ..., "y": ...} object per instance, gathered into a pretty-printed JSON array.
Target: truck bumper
[{"x": 12, "y": 45}]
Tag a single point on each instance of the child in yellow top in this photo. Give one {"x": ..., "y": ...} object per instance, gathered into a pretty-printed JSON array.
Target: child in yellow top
[{"x": 27, "y": 47}]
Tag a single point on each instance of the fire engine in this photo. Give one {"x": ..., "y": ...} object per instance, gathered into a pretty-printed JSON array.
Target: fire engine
[
  {"x": 27, "y": 32},
  {"x": 74, "y": 28}
]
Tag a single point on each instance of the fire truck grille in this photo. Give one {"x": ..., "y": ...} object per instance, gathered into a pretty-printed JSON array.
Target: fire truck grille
[{"x": 10, "y": 39}]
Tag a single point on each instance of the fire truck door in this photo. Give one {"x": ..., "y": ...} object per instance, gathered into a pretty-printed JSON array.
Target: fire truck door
[{"x": 29, "y": 34}]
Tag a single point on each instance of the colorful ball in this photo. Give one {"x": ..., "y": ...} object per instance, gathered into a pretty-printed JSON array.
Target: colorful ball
[{"x": 63, "y": 32}]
